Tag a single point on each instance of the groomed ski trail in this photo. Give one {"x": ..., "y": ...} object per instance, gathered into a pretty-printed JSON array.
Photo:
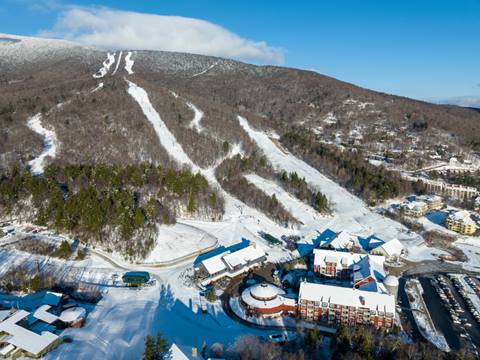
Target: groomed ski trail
[
  {"x": 49, "y": 144},
  {"x": 129, "y": 63},
  {"x": 118, "y": 63},
  {"x": 107, "y": 64},
  {"x": 197, "y": 117}
]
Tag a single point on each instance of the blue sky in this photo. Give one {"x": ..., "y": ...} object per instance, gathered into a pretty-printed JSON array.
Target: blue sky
[{"x": 422, "y": 49}]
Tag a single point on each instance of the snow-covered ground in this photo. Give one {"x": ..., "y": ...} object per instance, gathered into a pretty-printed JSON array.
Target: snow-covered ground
[
  {"x": 107, "y": 64},
  {"x": 350, "y": 213},
  {"x": 118, "y": 63},
  {"x": 301, "y": 211},
  {"x": 129, "y": 63},
  {"x": 422, "y": 317},
  {"x": 179, "y": 241},
  {"x": 206, "y": 70},
  {"x": 49, "y": 144},
  {"x": 98, "y": 87},
  {"x": 197, "y": 117}
]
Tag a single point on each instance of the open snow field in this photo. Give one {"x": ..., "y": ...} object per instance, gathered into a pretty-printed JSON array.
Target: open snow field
[
  {"x": 197, "y": 117},
  {"x": 178, "y": 241}
]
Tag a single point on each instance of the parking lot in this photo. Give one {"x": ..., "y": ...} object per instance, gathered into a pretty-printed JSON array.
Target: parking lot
[{"x": 452, "y": 310}]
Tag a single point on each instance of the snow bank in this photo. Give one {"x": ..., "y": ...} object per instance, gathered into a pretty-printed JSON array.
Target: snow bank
[
  {"x": 49, "y": 144},
  {"x": 422, "y": 317},
  {"x": 106, "y": 66},
  {"x": 129, "y": 63}
]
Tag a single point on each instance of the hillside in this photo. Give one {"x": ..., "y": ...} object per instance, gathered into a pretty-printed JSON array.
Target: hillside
[{"x": 66, "y": 104}]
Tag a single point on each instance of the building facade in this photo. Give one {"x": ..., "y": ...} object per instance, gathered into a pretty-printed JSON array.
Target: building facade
[
  {"x": 349, "y": 306},
  {"x": 461, "y": 222}
]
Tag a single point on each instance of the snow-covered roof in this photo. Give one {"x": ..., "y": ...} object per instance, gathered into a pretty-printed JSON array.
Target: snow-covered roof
[
  {"x": 347, "y": 296},
  {"x": 24, "y": 338},
  {"x": 73, "y": 314},
  {"x": 342, "y": 259},
  {"x": 243, "y": 256},
  {"x": 462, "y": 216},
  {"x": 215, "y": 264},
  {"x": 344, "y": 240},
  {"x": 178, "y": 352},
  {"x": 265, "y": 291},
  {"x": 263, "y": 296},
  {"x": 4, "y": 314},
  {"x": 391, "y": 280},
  {"x": 392, "y": 248},
  {"x": 42, "y": 314},
  {"x": 416, "y": 205}
]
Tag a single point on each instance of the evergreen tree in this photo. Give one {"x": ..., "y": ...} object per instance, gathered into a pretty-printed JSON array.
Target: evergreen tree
[{"x": 149, "y": 353}]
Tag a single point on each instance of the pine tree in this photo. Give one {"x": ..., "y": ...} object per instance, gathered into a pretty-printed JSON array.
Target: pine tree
[
  {"x": 149, "y": 353},
  {"x": 161, "y": 347}
]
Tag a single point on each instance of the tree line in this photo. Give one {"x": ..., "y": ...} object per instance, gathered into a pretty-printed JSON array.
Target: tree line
[
  {"x": 349, "y": 169},
  {"x": 109, "y": 205}
]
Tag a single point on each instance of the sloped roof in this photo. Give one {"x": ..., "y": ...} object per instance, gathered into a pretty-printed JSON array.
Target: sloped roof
[
  {"x": 347, "y": 296},
  {"x": 393, "y": 247}
]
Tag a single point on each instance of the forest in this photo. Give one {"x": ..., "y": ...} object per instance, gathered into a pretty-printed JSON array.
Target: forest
[
  {"x": 114, "y": 206},
  {"x": 349, "y": 169}
]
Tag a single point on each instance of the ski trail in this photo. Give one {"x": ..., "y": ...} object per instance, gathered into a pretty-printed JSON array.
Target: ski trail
[
  {"x": 129, "y": 63},
  {"x": 206, "y": 70},
  {"x": 167, "y": 139},
  {"x": 235, "y": 210},
  {"x": 118, "y": 63},
  {"x": 301, "y": 211},
  {"x": 197, "y": 117},
  {"x": 350, "y": 212},
  {"x": 49, "y": 144},
  {"x": 106, "y": 66},
  {"x": 99, "y": 86}
]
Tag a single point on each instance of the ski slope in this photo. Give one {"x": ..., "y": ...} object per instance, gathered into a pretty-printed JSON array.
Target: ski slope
[
  {"x": 107, "y": 64},
  {"x": 118, "y": 63},
  {"x": 206, "y": 70},
  {"x": 129, "y": 63},
  {"x": 197, "y": 117},
  {"x": 301, "y": 211},
  {"x": 350, "y": 213},
  {"x": 50, "y": 144}
]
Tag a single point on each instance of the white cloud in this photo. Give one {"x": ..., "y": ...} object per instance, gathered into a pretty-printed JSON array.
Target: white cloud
[
  {"x": 114, "y": 29},
  {"x": 465, "y": 101}
]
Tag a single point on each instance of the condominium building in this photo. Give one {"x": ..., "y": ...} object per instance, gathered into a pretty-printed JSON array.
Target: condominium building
[
  {"x": 334, "y": 305},
  {"x": 415, "y": 208},
  {"x": 461, "y": 223},
  {"x": 450, "y": 190}
]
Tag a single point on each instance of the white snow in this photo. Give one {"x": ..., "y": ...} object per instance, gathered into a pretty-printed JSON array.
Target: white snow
[
  {"x": 179, "y": 241},
  {"x": 198, "y": 115},
  {"x": 106, "y": 66},
  {"x": 301, "y": 211},
  {"x": 118, "y": 63},
  {"x": 129, "y": 63},
  {"x": 350, "y": 213},
  {"x": 422, "y": 317},
  {"x": 167, "y": 139},
  {"x": 98, "y": 87},
  {"x": 206, "y": 70},
  {"x": 50, "y": 143}
]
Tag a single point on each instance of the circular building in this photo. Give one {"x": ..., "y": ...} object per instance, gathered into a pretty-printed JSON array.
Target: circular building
[
  {"x": 391, "y": 284},
  {"x": 267, "y": 300},
  {"x": 73, "y": 317}
]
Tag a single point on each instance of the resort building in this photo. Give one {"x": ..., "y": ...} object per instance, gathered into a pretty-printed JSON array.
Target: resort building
[
  {"x": 415, "y": 208},
  {"x": 450, "y": 190},
  {"x": 434, "y": 202},
  {"x": 268, "y": 300},
  {"x": 231, "y": 264},
  {"x": 334, "y": 305},
  {"x": 136, "y": 278},
  {"x": 461, "y": 222},
  {"x": 392, "y": 249},
  {"x": 17, "y": 340},
  {"x": 343, "y": 265},
  {"x": 330, "y": 239}
]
